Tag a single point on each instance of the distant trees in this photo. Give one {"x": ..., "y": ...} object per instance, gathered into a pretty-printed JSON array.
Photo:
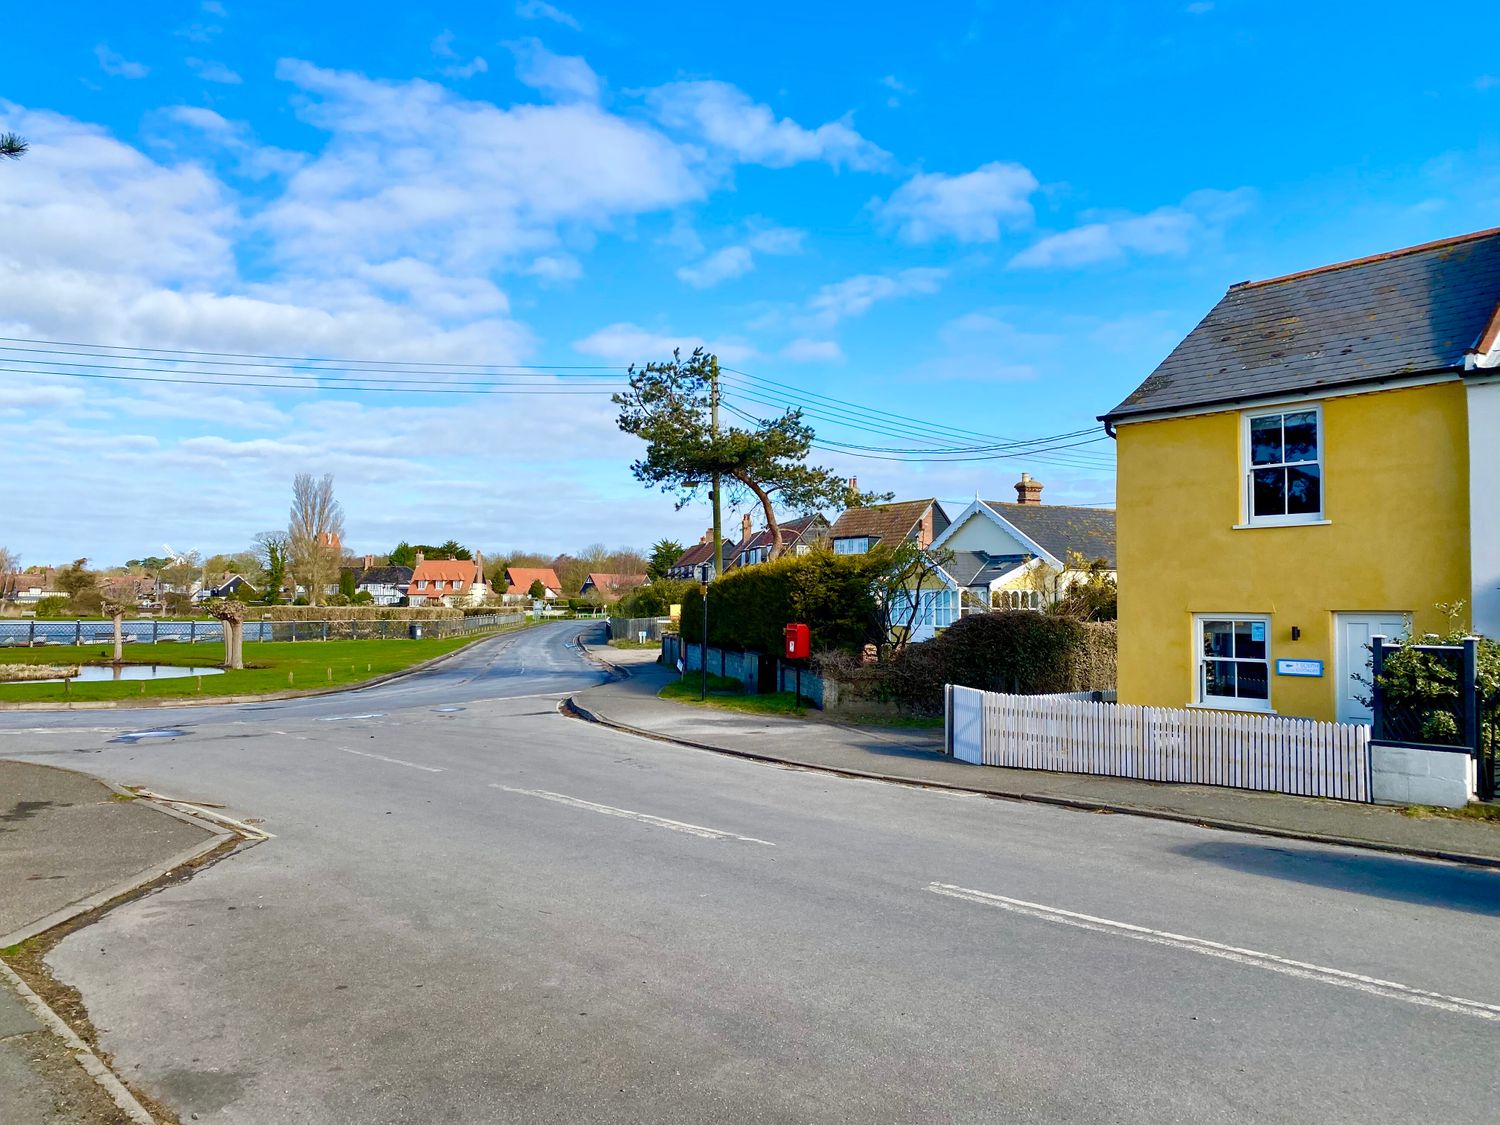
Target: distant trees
[
  {"x": 81, "y": 587},
  {"x": 315, "y": 534},
  {"x": 405, "y": 554},
  {"x": 271, "y": 552},
  {"x": 664, "y": 552}
]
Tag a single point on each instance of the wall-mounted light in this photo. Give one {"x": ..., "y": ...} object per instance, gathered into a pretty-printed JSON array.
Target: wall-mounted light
[{"x": 1296, "y": 633}]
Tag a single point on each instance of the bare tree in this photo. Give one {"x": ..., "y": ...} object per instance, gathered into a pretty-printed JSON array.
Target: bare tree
[
  {"x": 10, "y": 562},
  {"x": 232, "y": 615},
  {"x": 315, "y": 534},
  {"x": 115, "y": 608}
]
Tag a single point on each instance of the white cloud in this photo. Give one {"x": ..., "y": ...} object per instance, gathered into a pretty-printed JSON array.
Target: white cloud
[
  {"x": 1199, "y": 8},
  {"x": 897, "y": 88},
  {"x": 1486, "y": 82},
  {"x": 722, "y": 265},
  {"x": 115, "y": 64},
  {"x": 214, "y": 8},
  {"x": 555, "y": 268},
  {"x": 411, "y": 169},
  {"x": 1173, "y": 230},
  {"x": 627, "y": 343},
  {"x": 736, "y": 261},
  {"x": 541, "y": 10},
  {"x": 565, "y": 77},
  {"x": 442, "y": 47},
  {"x": 854, "y": 296},
  {"x": 254, "y": 160},
  {"x": 211, "y": 71},
  {"x": 971, "y": 207},
  {"x": 725, "y": 118},
  {"x": 812, "y": 351}
]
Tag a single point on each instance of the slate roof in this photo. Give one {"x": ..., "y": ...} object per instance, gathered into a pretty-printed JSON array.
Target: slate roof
[
  {"x": 1058, "y": 528},
  {"x": 380, "y": 575},
  {"x": 792, "y": 533},
  {"x": 1414, "y": 311},
  {"x": 887, "y": 522},
  {"x": 980, "y": 568}
]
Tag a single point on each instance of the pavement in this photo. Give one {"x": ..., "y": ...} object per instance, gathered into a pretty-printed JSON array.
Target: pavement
[
  {"x": 473, "y": 908},
  {"x": 915, "y": 757},
  {"x": 68, "y": 842}
]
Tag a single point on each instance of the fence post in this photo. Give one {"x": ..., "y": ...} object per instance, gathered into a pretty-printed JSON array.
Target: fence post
[
  {"x": 1471, "y": 695},
  {"x": 1377, "y": 693},
  {"x": 154, "y": 624},
  {"x": 78, "y": 632},
  {"x": 325, "y": 630},
  {"x": 947, "y": 719},
  {"x": 31, "y": 634},
  {"x": 192, "y": 631}
]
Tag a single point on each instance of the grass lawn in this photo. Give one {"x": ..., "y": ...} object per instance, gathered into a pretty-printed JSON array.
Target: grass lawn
[
  {"x": 635, "y": 644},
  {"x": 271, "y": 666},
  {"x": 729, "y": 695}
]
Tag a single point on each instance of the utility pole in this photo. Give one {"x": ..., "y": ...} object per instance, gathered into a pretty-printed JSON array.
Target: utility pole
[{"x": 713, "y": 405}]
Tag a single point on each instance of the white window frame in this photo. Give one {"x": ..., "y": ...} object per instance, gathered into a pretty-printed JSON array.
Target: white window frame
[
  {"x": 1235, "y": 703},
  {"x": 1247, "y": 468}
]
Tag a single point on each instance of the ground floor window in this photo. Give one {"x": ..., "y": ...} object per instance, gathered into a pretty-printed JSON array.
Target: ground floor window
[{"x": 1234, "y": 661}]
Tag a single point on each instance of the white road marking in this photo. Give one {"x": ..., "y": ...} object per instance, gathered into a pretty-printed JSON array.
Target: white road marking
[
  {"x": 1391, "y": 990},
  {"x": 346, "y": 718},
  {"x": 393, "y": 761},
  {"x": 645, "y": 818}
]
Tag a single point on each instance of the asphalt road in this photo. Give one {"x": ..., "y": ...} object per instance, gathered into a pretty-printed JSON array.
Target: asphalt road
[{"x": 477, "y": 910}]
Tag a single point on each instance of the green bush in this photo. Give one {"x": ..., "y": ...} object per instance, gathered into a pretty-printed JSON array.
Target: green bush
[
  {"x": 53, "y": 605},
  {"x": 657, "y": 599},
  {"x": 1013, "y": 651},
  {"x": 1422, "y": 692},
  {"x": 749, "y": 609}
]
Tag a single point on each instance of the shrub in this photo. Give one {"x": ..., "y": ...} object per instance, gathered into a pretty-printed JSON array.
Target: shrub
[
  {"x": 657, "y": 599},
  {"x": 749, "y": 609},
  {"x": 53, "y": 605},
  {"x": 358, "y": 613},
  {"x": 1014, "y": 651}
]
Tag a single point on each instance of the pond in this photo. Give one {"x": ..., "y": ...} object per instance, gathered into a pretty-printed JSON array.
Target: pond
[{"x": 95, "y": 673}]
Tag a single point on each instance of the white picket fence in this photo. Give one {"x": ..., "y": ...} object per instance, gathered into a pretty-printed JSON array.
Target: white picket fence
[{"x": 1264, "y": 752}]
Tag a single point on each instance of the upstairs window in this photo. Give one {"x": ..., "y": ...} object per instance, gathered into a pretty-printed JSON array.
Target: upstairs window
[
  {"x": 1284, "y": 467},
  {"x": 854, "y": 545}
]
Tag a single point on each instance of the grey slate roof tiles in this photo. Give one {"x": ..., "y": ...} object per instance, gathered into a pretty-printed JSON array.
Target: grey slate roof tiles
[
  {"x": 1059, "y": 529},
  {"x": 1408, "y": 312}
]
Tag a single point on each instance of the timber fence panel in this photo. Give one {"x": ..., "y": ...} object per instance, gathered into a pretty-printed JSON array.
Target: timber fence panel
[{"x": 1268, "y": 753}]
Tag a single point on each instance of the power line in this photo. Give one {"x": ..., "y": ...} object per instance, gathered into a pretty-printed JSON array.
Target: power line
[{"x": 437, "y": 390}]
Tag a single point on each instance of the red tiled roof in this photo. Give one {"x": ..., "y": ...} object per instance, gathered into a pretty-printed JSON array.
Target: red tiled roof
[
  {"x": 520, "y": 578},
  {"x": 616, "y": 582},
  {"x": 444, "y": 576}
]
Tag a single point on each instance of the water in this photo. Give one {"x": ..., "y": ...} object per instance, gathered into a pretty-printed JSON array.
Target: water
[{"x": 94, "y": 673}]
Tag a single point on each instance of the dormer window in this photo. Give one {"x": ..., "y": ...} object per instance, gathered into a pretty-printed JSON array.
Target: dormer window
[{"x": 1283, "y": 460}]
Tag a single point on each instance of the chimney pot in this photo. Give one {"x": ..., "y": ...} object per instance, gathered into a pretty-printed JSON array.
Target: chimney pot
[
  {"x": 1028, "y": 490},
  {"x": 369, "y": 561},
  {"x": 421, "y": 558},
  {"x": 745, "y": 527}
]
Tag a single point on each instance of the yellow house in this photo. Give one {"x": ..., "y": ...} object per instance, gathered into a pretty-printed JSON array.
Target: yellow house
[{"x": 1316, "y": 463}]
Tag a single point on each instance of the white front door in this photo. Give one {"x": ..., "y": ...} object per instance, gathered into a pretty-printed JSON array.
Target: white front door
[{"x": 1352, "y": 658}]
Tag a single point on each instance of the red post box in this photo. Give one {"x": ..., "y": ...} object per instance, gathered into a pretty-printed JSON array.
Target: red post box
[{"x": 798, "y": 642}]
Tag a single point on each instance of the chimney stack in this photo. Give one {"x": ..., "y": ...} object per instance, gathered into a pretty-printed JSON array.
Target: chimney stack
[
  {"x": 369, "y": 562},
  {"x": 421, "y": 558},
  {"x": 745, "y": 528},
  {"x": 1028, "y": 491},
  {"x": 853, "y": 484}
]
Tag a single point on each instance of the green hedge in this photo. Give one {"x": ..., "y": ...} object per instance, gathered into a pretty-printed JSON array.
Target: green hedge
[
  {"x": 1013, "y": 651},
  {"x": 356, "y": 613},
  {"x": 749, "y": 609}
]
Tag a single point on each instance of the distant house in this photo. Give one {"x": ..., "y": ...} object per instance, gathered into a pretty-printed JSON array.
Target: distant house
[
  {"x": 612, "y": 587},
  {"x": 1024, "y": 554},
  {"x": 697, "y": 562},
  {"x": 27, "y": 587},
  {"x": 449, "y": 582},
  {"x": 860, "y": 529},
  {"x": 520, "y": 579},
  {"x": 225, "y": 586},
  {"x": 386, "y": 585},
  {"x": 138, "y": 590},
  {"x": 798, "y": 536}
]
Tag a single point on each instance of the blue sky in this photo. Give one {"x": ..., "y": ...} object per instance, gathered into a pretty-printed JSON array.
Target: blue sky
[{"x": 988, "y": 216}]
